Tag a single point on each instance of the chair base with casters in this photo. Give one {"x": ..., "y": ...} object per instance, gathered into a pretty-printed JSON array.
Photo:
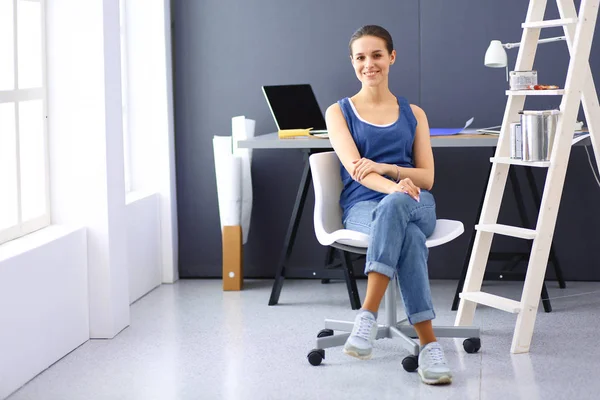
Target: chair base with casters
[{"x": 393, "y": 328}]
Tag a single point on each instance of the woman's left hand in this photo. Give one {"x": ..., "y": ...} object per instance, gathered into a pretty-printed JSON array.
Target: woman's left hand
[{"x": 364, "y": 167}]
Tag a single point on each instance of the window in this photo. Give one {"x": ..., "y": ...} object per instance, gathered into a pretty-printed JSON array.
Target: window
[{"x": 24, "y": 186}]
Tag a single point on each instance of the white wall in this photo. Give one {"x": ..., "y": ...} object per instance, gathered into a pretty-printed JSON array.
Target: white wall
[
  {"x": 150, "y": 115},
  {"x": 43, "y": 303},
  {"x": 143, "y": 245},
  {"x": 61, "y": 286}
]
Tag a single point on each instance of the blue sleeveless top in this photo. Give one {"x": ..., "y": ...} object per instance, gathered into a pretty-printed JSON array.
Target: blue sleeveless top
[{"x": 389, "y": 144}]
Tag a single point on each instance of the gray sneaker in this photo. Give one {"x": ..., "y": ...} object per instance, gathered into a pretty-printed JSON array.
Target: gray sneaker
[
  {"x": 360, "y": 342},
  {"x": 433, "y": 367}
]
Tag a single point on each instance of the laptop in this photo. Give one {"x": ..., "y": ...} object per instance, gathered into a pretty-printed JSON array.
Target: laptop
[{"x": 295, "y": 107}]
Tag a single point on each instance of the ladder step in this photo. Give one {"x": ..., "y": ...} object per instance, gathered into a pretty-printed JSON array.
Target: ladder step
[
  {"x": 549, "y": 23},
  {"x": 491, "y": 300},
  {"x": 514, "y": 161},
  {"x": 555, "y": 92},
  {"x": 507, "y": 230}
]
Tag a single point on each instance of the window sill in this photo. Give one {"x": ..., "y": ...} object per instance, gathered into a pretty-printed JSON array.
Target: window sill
[
  {"x": 50, "y": 233},
  {"x": 34, "y": 240}
]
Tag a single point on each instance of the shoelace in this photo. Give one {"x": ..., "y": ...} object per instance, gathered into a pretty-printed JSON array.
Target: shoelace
[
  {"x": 364, "y": 328},
  {"x": 436, "y": 355}
]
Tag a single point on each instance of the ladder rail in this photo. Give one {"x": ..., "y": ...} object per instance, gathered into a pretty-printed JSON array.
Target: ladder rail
[{"x": 589, "y": 99}]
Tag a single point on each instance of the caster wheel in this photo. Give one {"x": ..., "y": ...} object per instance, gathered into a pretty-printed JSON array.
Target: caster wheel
[
  {"x": 325, "y": 333},
  {"x": 316, "y": 356},
  {"x": 410, "y": 363},
  {"x": 472, "y": 345}
]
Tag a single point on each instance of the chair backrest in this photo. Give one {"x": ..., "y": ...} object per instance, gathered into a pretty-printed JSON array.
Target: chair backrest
[{"x": 327, "y": 183}]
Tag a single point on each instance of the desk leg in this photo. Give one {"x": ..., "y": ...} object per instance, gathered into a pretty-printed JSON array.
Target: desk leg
[
  {"x": 329, "y": 258},
  {"x": 463, "y": 273},
  {"x": 350, "y": 280},
  {"x": 290, "y": 236}
]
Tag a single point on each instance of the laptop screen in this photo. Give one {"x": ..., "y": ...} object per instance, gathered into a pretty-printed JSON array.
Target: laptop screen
[{"x": 294, "y": 107}]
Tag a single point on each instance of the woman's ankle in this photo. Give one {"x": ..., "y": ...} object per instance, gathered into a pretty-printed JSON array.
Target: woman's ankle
[
  {"x": 369, "y": 310},
  {"x": 425, "y": 332}
]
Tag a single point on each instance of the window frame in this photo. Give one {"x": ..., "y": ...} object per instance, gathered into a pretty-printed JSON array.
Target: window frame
[
  {"x": 15, "y": 96},
  {"x": 123, "y": 38}
]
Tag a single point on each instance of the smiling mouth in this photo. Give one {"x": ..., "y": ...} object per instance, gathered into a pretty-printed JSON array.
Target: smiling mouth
[{"x": 370, "y": 73}]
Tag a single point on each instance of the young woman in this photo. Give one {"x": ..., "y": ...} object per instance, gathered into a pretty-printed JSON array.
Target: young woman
[{"x": 387, "y": 171}]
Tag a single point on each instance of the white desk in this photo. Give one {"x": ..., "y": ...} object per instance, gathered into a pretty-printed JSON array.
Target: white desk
[{"x": 272, "y": 141}]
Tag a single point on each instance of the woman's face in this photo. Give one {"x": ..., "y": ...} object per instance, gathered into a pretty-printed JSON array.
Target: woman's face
[{"x": 371, "y": 60}]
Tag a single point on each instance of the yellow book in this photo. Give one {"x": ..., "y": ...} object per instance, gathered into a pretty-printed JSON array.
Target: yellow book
[{"x": 293, "y": 133}]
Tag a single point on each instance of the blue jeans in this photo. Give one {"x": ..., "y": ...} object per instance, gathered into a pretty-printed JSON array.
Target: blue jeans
[{"x": 398, "y": 226}]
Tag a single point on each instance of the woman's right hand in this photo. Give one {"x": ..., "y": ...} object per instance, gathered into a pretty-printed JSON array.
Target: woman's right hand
[
  {"x": 407, "y": 186},
  {"x": 364, "y": 167}
]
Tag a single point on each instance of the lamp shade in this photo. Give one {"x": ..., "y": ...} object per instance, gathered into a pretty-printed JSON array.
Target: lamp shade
[{"x": 495, "y": 56}]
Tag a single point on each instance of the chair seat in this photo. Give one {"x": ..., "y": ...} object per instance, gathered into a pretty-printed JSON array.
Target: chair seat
[
  {"x": 350, "y": 238},
  {"x": 445, "y": 231}
]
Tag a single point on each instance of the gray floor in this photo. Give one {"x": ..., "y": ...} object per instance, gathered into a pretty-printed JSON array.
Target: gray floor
[{"x": 193, "y": 341}]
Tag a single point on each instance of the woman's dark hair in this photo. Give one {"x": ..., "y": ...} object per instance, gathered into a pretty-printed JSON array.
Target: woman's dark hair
[{"x": 376, "y": 31}]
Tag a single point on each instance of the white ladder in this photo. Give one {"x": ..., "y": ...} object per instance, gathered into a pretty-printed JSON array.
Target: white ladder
[{"x": 579, "y": 87}]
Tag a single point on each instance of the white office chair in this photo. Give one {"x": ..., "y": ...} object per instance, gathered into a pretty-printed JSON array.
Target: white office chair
[{"x": 325, "y": 168}]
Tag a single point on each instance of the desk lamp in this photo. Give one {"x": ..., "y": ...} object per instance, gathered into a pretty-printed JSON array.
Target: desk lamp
[{"x": 495, "y": 56}]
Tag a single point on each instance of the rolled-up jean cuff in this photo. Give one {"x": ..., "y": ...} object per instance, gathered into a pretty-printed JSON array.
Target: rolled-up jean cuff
[
  {"x": 376, "y": 266},
  {"x": 426, "y": 315}
]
